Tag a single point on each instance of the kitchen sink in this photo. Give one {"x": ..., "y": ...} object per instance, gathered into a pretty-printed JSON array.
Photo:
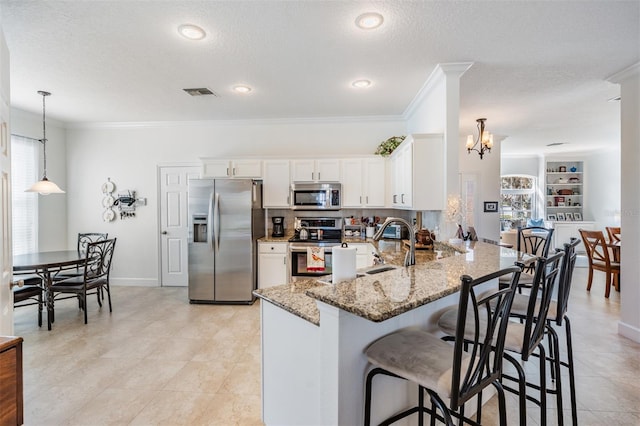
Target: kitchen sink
[{"x": 380, "y": 269}]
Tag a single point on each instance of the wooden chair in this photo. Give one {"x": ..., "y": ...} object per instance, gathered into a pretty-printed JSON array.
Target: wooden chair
[
  {"x": 599, "y": 259},
  {"x": 614, "y": 237},
  {"x": 96, "y": 267},
  {"x": 455, "y": 372}
]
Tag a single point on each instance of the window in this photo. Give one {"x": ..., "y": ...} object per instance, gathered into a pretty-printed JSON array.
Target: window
[
  {"x": 24, "y": 172},
  {"x": 517, "y": 201}
]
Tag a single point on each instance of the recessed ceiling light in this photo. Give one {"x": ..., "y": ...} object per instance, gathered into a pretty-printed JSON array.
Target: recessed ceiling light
[
  {"x": 192, "y": 32},
  {"x": 242, "y": 88},
  {"x": 555, "y": 144},
  {"x": 361, "y": 84},
  {"x": 369, "y": 21}
]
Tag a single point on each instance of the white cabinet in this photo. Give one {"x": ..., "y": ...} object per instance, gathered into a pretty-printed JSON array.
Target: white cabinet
[
  {"x": 220, "y": 168},
  {"x": 419, "y": 173},
  {"x": 275, "y": 185},
  {"x": 363, "y": 182},
  {"x": 564, "y": 231},
  {"x": 272, "y": 264},
  {"x": 309, "y": 170},
  {"x": 364, "y": 254}
]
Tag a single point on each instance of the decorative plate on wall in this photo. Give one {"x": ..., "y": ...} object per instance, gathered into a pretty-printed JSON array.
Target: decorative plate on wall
[
  {"x": 108, "y": 215},
  {"x": 108, "y": 201},
  {"x": 108, "y": 187}
]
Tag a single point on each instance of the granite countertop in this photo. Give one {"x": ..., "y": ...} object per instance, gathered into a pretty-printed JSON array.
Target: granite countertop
[{"x": 384, "y": 295}]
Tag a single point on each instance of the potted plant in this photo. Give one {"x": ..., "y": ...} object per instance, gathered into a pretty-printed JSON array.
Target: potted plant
[{"x": 386, "y": 147}]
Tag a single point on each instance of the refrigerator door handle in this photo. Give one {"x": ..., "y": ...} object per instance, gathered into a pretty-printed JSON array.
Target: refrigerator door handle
[
  {"x": 210, "y": 222},
  {"x": 216, "y": 223}
]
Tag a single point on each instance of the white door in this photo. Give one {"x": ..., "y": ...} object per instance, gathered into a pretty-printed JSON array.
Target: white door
[
  {"x": 6, "y": 261},
  {"x": 174, "y": 222}
]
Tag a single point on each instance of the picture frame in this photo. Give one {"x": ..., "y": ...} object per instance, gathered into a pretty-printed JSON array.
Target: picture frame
[
  {"x": 552, "y": 216},
  {"x": 490, "y": 206},
  {"x": 561, "y": 204},
  {"x": 577, "y": 216},
  {"x": 569, "y": 216},
  {"x": 561, "y": 216}
]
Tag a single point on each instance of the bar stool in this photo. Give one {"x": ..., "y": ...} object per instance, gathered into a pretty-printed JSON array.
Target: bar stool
[
  {"x": 525, "y": 337},
  {"x": 558, "y": 316},
  {"x": 444, "y": 370}
]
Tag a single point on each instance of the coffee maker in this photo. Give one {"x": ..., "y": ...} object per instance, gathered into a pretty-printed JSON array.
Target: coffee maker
[{"x": 278, "y": 226}]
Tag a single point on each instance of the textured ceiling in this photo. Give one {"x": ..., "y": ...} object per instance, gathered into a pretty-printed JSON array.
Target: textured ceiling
[{"x": 539, "y": 73}]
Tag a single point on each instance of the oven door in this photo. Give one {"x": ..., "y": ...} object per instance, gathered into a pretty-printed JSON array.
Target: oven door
[{"x": 298, "y": 258}]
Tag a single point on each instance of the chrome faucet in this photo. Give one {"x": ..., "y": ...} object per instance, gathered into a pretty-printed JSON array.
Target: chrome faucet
[{"x": 410, "y": 257}]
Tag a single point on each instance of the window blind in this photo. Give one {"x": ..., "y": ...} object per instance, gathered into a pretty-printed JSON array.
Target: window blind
[{"x": 24, "y": 172}]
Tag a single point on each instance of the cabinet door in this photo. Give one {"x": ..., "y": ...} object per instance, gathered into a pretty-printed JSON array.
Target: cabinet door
[
  {"x": 246, "y": 168},
  {"x": 328, "y": 170},
  {"x": 563, "y": 232},
  {"x": 373, "y": 182},
  {"x": 397, "y": 179},
  {"x": 275, "y": 185},
  {"x": 352, "y": 191},
  {"x": 303, "y": 170},
  {"x": 406, "y": 194},
  {"x": 272, "y": 267},
  {"x": 216, "y": 168}
]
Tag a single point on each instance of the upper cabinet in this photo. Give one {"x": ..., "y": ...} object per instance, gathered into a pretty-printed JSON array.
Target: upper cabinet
[
  {"x": 275, "y": 186},
  {"x": 418, "y": 173},
  {"x": 565, "y": 190},
  {"x": 325, "y": 170},
  {"x": 242, "y": 168},
  {"x": 363, "y": 182}
]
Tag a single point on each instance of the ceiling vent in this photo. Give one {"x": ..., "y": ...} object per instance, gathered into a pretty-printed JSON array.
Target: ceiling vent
[{"x": 200, "y": 91}]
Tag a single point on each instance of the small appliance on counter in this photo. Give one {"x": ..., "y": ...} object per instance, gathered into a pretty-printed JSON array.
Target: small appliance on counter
[{"x": 278, "y": 226}]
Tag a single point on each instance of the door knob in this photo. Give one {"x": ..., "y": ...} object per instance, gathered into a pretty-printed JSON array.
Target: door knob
[{"x": 164, "y": 232}]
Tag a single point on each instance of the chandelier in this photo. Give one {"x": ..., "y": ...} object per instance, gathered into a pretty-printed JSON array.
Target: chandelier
[
  {"x": 485, "y": 140},
  {"x": 44, "y": 186}
]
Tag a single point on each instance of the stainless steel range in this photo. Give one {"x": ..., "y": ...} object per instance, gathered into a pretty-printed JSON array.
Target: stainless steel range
[{"x": 325, "y": 232}]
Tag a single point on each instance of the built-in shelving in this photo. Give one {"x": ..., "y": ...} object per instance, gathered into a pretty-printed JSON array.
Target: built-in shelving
[{"x": 564, "y": 191}]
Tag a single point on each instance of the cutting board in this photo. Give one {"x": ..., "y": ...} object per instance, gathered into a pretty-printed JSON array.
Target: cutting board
[{"x": 419, "y": 246}]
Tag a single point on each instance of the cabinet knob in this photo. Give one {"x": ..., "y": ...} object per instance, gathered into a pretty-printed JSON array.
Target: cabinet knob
[{"x": 164, "y": 232}]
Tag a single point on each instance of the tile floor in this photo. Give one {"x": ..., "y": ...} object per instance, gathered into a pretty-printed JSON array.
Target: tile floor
[{"x": 156, "y": 360}]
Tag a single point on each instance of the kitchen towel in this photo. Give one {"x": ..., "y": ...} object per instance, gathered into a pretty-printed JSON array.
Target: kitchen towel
[
  {"x": 315, "y": 259},
  {"x": 343, "y": 263}
]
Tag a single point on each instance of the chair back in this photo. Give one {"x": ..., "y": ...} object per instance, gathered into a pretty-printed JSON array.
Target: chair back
[
  {"x": 596, "y": 247},
  {"x": 89, "y": 237},
  {"x": 544, "y": 281},
  {"x": 98, "y": 259},
  {"x": 487, "y": 346},
  {"x": 535, "y": 240},
  {"x": 613, "y": 232},
  {"x": 565, "y": 277}
]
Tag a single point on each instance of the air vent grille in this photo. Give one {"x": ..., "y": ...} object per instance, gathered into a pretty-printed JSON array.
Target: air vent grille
[{"x": 200, "y": 91}]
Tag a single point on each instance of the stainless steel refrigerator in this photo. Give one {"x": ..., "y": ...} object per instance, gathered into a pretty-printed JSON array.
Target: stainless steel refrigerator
[{"x": 225, "y": 220}]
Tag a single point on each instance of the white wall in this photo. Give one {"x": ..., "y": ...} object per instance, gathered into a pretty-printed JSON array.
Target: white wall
[
  {"x": 602, "y": 189},
  {"x": 520, "y": 165},
  {"x": 129, "y": 155},
  {"x": 52, "y": 209}
]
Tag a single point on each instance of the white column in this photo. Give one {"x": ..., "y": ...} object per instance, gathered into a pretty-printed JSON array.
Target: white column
[{"x": 629, "y": 80}]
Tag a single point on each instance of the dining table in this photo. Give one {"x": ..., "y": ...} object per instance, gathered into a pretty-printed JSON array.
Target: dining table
[{"x": 46, "y": 265}]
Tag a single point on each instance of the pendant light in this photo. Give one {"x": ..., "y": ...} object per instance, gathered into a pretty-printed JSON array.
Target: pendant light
[
  {"x": 485, "y": 140},
  {"x": 44, "y": 186}
]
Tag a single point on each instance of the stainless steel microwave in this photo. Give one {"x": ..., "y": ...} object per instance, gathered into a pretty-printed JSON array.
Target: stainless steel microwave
[
  {"x": 396, "y": 232},
  {"x": 316, "y": 196}
]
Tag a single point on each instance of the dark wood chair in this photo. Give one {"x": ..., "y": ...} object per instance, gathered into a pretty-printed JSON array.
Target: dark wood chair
[
  {"x": 95, "y": 277},
  {"x": 613, "y": 233},
  {"x": 456, "y": 372},
  {"x": 30, "y": 293},
  {"x": 599, "y": 259}
]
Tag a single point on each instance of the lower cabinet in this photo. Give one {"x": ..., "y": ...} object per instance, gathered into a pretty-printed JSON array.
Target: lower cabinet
[
  {"x": 272, "y": 264},
  {"x": 564, "y": 231},
  {"x": 11, "y": 408}
]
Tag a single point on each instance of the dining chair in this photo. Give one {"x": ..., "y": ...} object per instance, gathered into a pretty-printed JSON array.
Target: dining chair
[
  {"x": 613, "y": 232},
  {"x": 522, "y": 338},
  {"x": 29, "y": 293},
  {"x": 455, "y": 372},
  {"x": 95, "y": 277},
  {"x": 84, "y": 239},
  {"x": 599, "y": 259},
  {"x": 533, "y": 240}
]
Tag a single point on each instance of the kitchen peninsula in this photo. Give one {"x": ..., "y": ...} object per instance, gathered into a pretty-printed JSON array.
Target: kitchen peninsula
[{"x": 314, "y": 334}]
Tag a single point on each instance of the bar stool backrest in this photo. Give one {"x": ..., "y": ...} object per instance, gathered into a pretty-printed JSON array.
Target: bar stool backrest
[
  {"x": 487, "y": 347},
  {"x": 89, "y": 237},
  {"x": 565, "y": 277}
]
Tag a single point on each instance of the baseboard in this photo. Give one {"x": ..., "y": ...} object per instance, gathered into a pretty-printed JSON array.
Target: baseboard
[
  {"x": 629, "y": 331},
  {"x": 134, "y": 282}
]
